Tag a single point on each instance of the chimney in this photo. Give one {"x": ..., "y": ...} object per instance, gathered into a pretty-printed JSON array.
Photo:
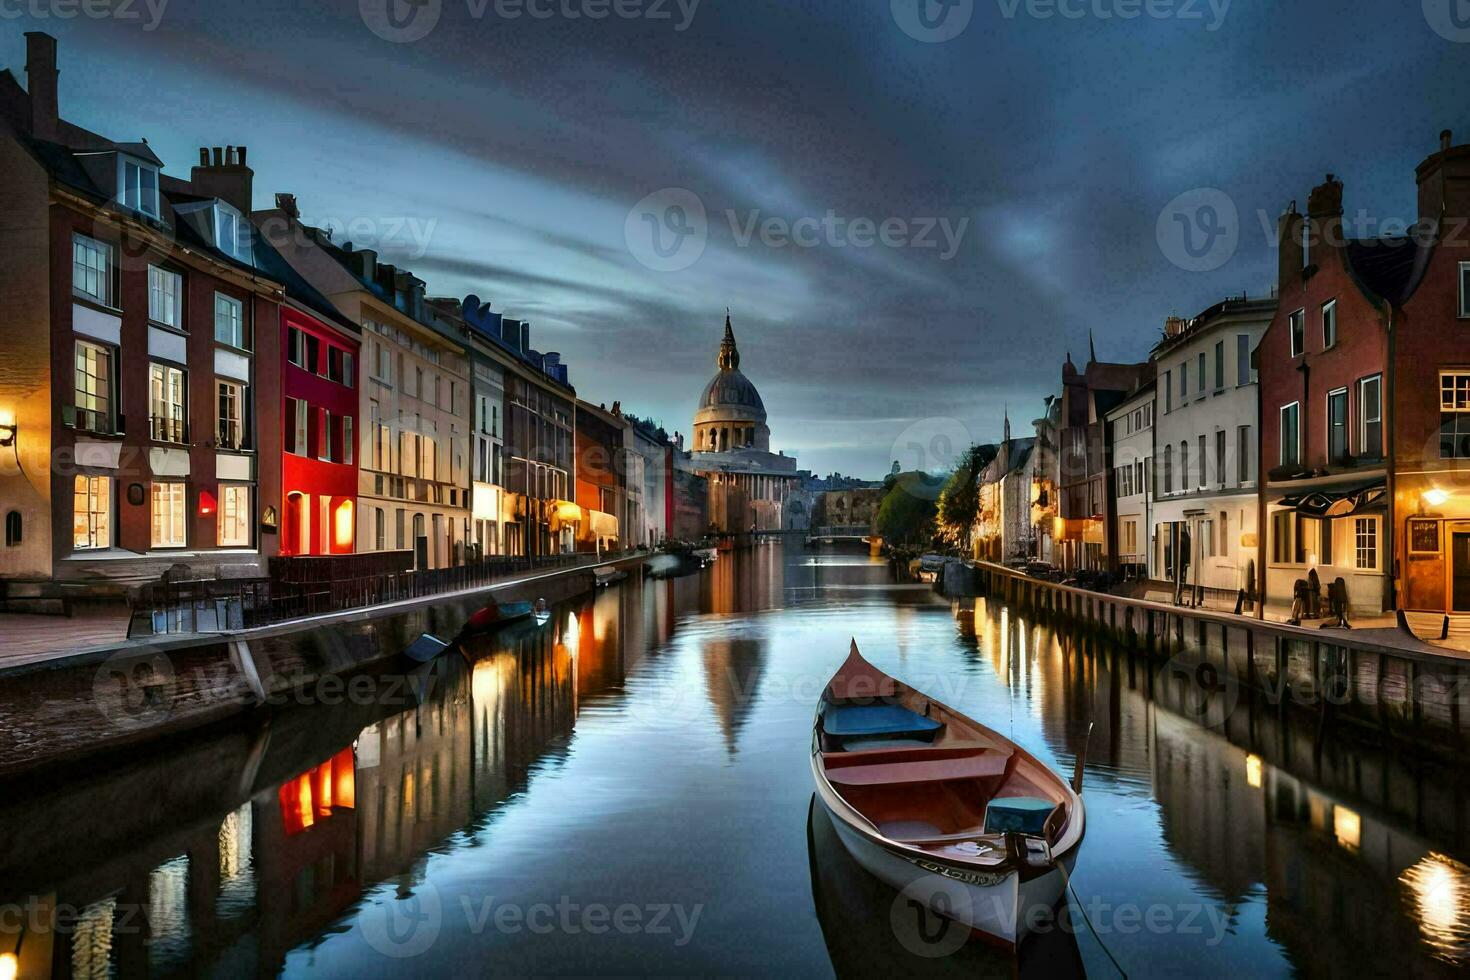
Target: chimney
[
  {"x": 41, "y": 84},
  {"x": 1291, "y": 252},
  {"x": 1173, "y": 326},
  {"x": 1444, "y": 182},
  {"x": 225, "y": 177},
  {"x": 287, "y": 204},
  {"x": 1324, "y": 216}
]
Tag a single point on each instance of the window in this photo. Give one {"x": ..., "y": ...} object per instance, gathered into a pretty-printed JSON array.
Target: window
[
  {"x": 1203, "y": 477},
  {"x": 1183, "y": 382},
  {"x": 170, "y": 514},
  {"x": 1183, "y": 466},
  {"x": 380, "y": 529},
  {"x": 1465, "y": 289},
  {"x": 1220, "y": 456},
  {"x": 1337, "y": 430},
  {"x": 138, "y": 186},
  {"x": 1201, "y": 371},
  {"x": 1283, "y": 537},
  {"x": 1219, "y": 365},
  {"x": 348, "y": 450},
  {"x": 1454, "y": 415},
  {"x": 311, "y": 359},
  {"x": 229, "y": 322},
  {"x": 235, "y": 515},
  {"x": 13, "y": 528},
  {"x": 1370, "y": 416},
  {"x": 1291, "y": 454},
  {"x": 231, "y": 429},
  {"x": 334, "y": 363},
  {"x": 92, "y": 513},
  {"x": 296, "y": 437},
  {"x": 1243, "y": 447},
  {"x": 324, "y": 436},
  {"x": 1297, "y": 323},
  {"x": 296, "y": 347},
  {"x": 1243, "y": 359},
  {"x": 167, "y": 410},
  {"x": 380, "y": 435},
  {"x": 385, "y": 365},
  {"x": 93, "y": 391},
  {"x": 1168, "y": 391},
  {"x": 1365, "y": 533},
  {"x": 1329, "y": 325},
  {"x": 165, "y": 297},
  {"x": 91, "y": 269},
  {"x": 231, "y": 232},
  {"x": 349, "y": 370}
]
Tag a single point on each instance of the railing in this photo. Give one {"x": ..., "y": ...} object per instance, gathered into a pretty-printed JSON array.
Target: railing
[
  {"x": 305, "y": 586},
  {"x": 842, "y": 531}
]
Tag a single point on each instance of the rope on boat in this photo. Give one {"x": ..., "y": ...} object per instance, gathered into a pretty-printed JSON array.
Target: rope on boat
[{"x": 1067, "y": 880}]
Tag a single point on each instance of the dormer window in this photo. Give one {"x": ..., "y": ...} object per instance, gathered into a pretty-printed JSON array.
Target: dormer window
[
  {"x": 137, "y": 186},
  {"x": 231, "y": 232}
]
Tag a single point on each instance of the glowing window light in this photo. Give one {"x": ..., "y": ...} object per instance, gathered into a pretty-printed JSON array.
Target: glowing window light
[
  {"x": 343, "y": 525},
  {"x": 9, "y": 966},
  {"x": 1254, "y": 771},
  {"x": 1347, "y": 827}
]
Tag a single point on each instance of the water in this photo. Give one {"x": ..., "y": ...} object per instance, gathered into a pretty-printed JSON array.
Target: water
[{"x": 627, "y": 790}]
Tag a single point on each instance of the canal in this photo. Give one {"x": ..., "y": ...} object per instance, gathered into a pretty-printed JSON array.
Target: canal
[{"x": 625, "y": 790}]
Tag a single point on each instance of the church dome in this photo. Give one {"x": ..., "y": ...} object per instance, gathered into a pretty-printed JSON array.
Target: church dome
[{"x": 731, "y": 414}]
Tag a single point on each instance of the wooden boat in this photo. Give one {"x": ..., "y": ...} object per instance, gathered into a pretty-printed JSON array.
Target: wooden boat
[
  {"x": 939, "y": 806},
  {"x": 426, "y": 648},
  {"x": 494, "y": 615}
]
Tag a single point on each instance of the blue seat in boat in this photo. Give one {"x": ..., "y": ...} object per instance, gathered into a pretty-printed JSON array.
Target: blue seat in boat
[{"x": 858, "y": 721}]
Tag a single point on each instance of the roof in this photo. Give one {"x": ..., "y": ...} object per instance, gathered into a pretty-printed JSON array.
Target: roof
[
  {"x": 731, "y": 389},
  {"x": 1391, "y": 267}
]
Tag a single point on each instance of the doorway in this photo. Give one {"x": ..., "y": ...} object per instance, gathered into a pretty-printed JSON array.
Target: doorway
[{"x": 1460, "y": 571}]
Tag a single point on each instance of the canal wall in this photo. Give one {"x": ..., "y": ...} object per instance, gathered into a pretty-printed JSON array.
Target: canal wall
[
  {"x": 1407, "y": 690},
  {"x": 95, "y": 701}
]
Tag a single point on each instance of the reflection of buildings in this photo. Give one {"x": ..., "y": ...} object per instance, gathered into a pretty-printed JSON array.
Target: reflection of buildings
[
  {"x": 732, "y": 677},
  {"x": 1354, "y": 856},
  {"x": 749, "y": 486}
]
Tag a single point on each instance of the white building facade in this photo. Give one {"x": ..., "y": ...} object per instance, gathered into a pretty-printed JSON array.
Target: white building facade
[
  {"x": 1205, "y": 449},
  {"x": 1132, "y": 424}
]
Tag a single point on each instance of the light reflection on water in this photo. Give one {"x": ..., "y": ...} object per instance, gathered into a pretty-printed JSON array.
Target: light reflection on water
[{"x": 647, "y": 749}]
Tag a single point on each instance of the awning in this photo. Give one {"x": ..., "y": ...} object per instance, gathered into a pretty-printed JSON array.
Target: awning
[{"x": 1328, "y": 503}]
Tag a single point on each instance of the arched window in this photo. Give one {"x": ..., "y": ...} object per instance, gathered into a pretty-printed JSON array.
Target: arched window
[{"x": 13, "y": 528}]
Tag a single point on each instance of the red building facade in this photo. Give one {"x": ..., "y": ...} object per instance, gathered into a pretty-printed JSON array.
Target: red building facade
[
  {"x": 319, "y": 434},
  {"x": 1361, "y": 397}
]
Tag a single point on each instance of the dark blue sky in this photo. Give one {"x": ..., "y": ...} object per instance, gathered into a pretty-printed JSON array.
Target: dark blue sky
[{"x": 502, "y": 155}]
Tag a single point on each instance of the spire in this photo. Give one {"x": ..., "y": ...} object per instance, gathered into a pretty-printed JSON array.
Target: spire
[
  {"x": 1006, "y": 438},
  {"x": 729, "y": 353},
  {"x": 1091, "y": 347}
]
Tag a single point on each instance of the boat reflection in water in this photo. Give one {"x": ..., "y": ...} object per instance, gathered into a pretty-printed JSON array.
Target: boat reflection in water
[{"x": 873, "y": 931}]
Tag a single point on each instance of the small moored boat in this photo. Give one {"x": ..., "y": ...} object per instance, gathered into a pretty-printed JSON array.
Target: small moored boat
[
  {"x": 607, "y": 576},
  {"x": 937, "y": 805},
  {"x": 494, "y": 615}
]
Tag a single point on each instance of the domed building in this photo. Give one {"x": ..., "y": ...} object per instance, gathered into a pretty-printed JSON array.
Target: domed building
[{"x": 750, "y": 488}]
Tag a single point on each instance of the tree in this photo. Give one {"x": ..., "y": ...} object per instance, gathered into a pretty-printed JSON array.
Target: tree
[
  {"x": 906, "y": 515},
  {"x": 959, "y": 499}
]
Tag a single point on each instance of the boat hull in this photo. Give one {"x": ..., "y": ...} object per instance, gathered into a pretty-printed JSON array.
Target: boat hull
[{"x": 1003, "y": 913}]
